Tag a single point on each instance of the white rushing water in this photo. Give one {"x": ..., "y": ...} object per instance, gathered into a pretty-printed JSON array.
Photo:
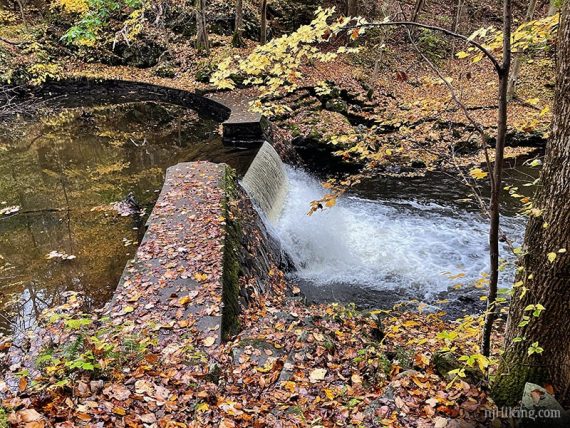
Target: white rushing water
[{"x": 383, "y": 245}]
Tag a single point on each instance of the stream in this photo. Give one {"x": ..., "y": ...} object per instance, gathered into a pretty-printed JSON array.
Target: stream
[
  {"x": 63, "y": 175},
  {"x": 396, "y": 239}
]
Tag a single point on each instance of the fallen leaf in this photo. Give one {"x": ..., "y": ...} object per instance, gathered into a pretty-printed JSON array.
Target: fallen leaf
[
  {"x": 356, "y": 378},
  {"x": 200, "y": 277},
  {"x": 119, "y": 411},
  {"x": 440, "y": 422},
  {"x": 317, "y": 374},
  {"x": 184, "y": 300},
  {"x": 148, "y": 418},
  {"x": 23, "y": 384},
  {"x": 28, "y": 415}
]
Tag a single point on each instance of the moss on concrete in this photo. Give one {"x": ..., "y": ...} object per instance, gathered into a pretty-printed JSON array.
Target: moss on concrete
[{"x": 231, "y": 266}]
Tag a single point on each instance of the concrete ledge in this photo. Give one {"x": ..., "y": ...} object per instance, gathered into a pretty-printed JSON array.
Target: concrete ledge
[
  {"x": 205, "y": 256},
  {"x": 175, "y": 283},
  {"x": 243, "y": 128}
]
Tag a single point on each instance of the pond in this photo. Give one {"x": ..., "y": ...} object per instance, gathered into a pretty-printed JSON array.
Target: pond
[{"x": 60, "y": 175}]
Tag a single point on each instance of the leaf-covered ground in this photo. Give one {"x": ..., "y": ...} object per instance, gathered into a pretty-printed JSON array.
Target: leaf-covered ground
[{"x": 292, "y": 365}]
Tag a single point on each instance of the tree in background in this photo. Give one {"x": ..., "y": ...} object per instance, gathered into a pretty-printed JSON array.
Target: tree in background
[
  {"x": 554, "y": 7},
  {"x": 539, "y": 310},
  {"x": 202, "y": 39},
  {"x": 352, "y": 8},
  {"x": 263, "y": 33},
  {"x": 517, "y": 59},
  {"x": 21, "y": 6},
  {"x": 458, "y": 14},
  {"x": 237, "y": 40},
  {"x": 417, "y": 10}
]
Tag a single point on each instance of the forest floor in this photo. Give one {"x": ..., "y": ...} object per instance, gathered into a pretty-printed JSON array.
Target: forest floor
[{"x": 291, "y": 365}]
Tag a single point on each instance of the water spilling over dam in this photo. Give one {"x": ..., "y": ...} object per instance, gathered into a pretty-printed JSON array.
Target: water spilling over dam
[
  {"x": 417, "y": 249},
  {"x": 266, "y": 182},
  {"x": 379, "y": 244}
]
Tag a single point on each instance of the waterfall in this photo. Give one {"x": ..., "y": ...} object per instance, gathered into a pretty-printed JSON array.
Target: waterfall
[
  {"x": 266, "y": 182},
  {"x": 422, "y": 247}
]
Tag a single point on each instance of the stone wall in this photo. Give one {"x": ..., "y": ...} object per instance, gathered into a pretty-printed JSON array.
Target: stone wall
[{"x": 240, "y": 126}]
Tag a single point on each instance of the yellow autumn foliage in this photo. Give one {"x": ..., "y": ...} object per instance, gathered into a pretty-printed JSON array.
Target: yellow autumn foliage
[
  {"x": 535, "y": 34},
  {"x": 71, "y": 6},
  {"x": 275, "y": 68}
]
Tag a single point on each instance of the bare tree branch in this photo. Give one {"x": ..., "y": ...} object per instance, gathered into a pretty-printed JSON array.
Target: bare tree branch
[{"x": 485, "y": 51}]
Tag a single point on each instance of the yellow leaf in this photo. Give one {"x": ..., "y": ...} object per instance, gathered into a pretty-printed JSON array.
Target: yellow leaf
[
  {"x": 202, "y": 407},
  {"x": 119, "y": 411},
  {"x": 483, "y": 362},
  {"x": 289, "y": 386},
  {"x": 200, "y": 277},
  {"x": 329, "y": 393},
  {"x": 461, "y": 55},
  {"x": 551, "y": 257},
  {"x": 184, "y": 300},
  {"x": 128, "y": 310},
  {"x": 478, "y": 173},
  {"x": 477, "y": 58},
  {"x": 331, "y": 202},
  {"x": 411, "y": 324}
]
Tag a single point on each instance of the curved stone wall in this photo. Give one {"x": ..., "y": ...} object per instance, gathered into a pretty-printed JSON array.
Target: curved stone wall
[{"x": 240, "y": 126}]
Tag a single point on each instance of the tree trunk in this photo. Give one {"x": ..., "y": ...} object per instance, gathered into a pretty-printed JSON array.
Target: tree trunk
[
  {"x": 517, "y": 60},
  {"x": 263, "y": 35},
  {"x": 553, "y": 9},
  {"x": 496, "y": 186},
  {"x": 548, "y": 282},
  {"x": 460, "y": 5},
  {"x": 417, "y": 10},
  {"x": 22, "y": 14},
  {"x": 202, "y": 40},
  {"x": 237, "y": 40},
  {"x": 352, "y": 8},
  {"x": 458, "y": 14}
]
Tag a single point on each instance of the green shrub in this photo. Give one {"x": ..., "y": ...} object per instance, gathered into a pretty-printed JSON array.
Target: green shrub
[
  {"x": 3, "y": 418},
  {"x": 433, "y": 45}
]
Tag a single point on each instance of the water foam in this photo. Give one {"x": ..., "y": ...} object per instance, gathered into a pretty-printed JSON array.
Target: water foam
[{"x": 384, "y": 245}]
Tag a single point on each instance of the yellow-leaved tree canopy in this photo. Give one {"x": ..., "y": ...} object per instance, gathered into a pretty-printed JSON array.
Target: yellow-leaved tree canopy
[{"x": 276, "y": 66}]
